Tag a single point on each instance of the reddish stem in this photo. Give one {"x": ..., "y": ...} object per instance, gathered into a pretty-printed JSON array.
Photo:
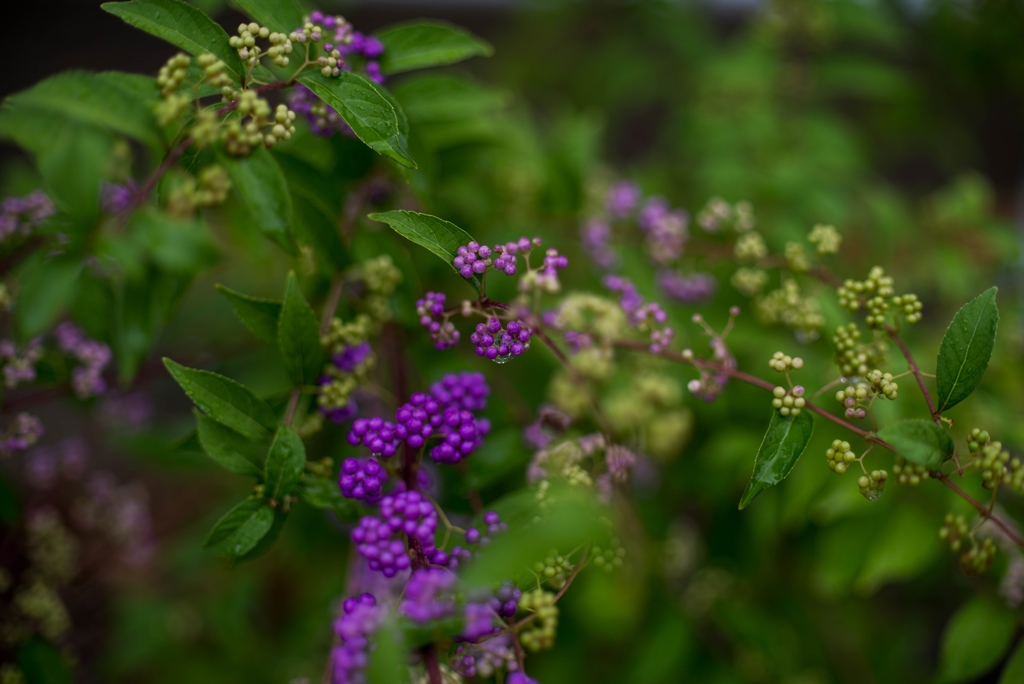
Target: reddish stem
[{"x": 936, "y": 415}]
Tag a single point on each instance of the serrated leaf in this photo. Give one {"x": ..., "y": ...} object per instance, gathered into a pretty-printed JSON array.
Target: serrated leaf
[
  {"x": 46, "y": 286},
  {"x": 368, "y": 109},
  {"x": 179, "y": 24},
  {"x": 783, "y": 443},
  {"x": 285, "y": 461},
  {"x": 241, "y": 528},
  {"x": 975, "y": 640},
  {"x": 257, "y": 314},
  {"x": 298, "y": 336},
  {"x": 440, "y": 237},
  {"x": 264, "y": 191},
  {"x": 966, "y": 349},
  {"x": 422, "y": 44},
  {"x": 440, "y": 97},
  {"x": 321, "y": 492},
  {"x": 266, "y": 541},
  {"x": 229, "y": 403},
  {"x": 99, "y": 100},
  {"x": 919, "y": 441},
  {"x": 228, "y": 448},
  {"x": 277, "y": 15}
]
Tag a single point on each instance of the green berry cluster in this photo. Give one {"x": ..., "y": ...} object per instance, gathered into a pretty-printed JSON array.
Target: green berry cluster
[
  {"x": 789, "y": 402},
  {"x": 853, "y": 358},
  {"x": 173, "y": 74},
  {"x": 554, "y": 569},
  {"x": 882, "y": 384},
  {"x": 840, "y": 456},
  {"x": 873, "y": 484},
  {"x": 750, "y": 246},
  {"x": 717, "y": 212},
  {"x": 213, "y": 70},
  {"x": 239, "y": 139},
  {"x": 190, "y": 193},
  {"x": 789, "y": 306},
  {"x": 796, "y": 257},
  {"x": 997, "y": 466},
  {"x": 826, "y": 239},
  {"x": 781, "y": 362},
  {"x": 974, "y": 560},
  {"x": 750, "y": 281},
  {"x": 611, "y": 558},
  {"x": 250, "y": 52},
  {"x": 908, "y": 473},
  {"x": 539, "y": 633},
  {"x": 877, "y": 294}
]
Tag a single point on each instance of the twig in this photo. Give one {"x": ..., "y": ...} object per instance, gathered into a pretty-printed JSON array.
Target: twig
[
  {"x": 331, "y": 305},
  {"x": 293, "y": 404},
  {"x": 984, "y": 511}
]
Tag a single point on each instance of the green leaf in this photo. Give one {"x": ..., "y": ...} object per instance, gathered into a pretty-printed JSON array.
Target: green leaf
[
  {"x": 99, "y": 100},
  {"x": 179, "y": 24},
  {"x": 919, "y": 441},
  {"x": 176, "y": 245},
  {"x": 436, "y": 235},
  {"x": 298, "y": 336},
  {"x": 783, "y": 443},
  {"x": 368, "y": 109},
  {"x": 285, "y": 461},
  {"x": 387, "y": 663},
  {"x": 257, "y": 314},
  {"x": 241, "y": 528},
  {"x": 321, "y": 492},
  {"x": 315, "y": 212},
  {"x": 267, "y": 541},
  {"x": 975, "y": 640},
  {"x": 426, "y": 44},
  {"x": 966, "y": 349},
  {"x": 141, "y": 307},
  {"x": 46, "y": 287},
  {"x": 905, "y": 548},
  {"x": 277, "y": 15},
  {"x": 1013, "y": 673},
  {"x": 264, "y": 192},
  {"x": 229, "y": 403},
  {"x": 228, "y": 448},
  {"x": 440, "y": 97},
  {"x": 42, "y": 663}
]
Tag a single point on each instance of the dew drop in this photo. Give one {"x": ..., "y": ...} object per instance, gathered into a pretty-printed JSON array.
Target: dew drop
[
  {"x": 875, "y": 495},
  {"x": 502, "y": 359}
]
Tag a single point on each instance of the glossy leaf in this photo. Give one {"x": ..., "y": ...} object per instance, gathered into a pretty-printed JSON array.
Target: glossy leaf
[
  {"x": 229, "y": 403},
  {"x": 919, "y": 441},
  {"x": 368, "y": 109},
  {"x": 257, "y": 314},
  {"x": 241, "y": 528},
  {"x": 277, "y": 15},
  {"x": 46, "y": 287},
  {"x": 264, "y": 192},
  {"x": 424, "y": 44},
  {"x": 966, "y": 349},
  {"x": 975, "y": 640},
  {"x": 298, "y": 336},
  {"x": 228, "y": 448},
  {"x": 440, "y": 237},
  {"x": 179, "y": 24},
  {"x": 285, "y": 461},
  {"x": 783, "y": 443},
  {"x": 321, "y": 492},
  {"x": 267, "y": 541},
  {"x": 98, "y": 100}
]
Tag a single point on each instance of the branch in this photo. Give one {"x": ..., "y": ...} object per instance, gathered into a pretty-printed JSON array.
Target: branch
[{"x": 936, "y": 415}]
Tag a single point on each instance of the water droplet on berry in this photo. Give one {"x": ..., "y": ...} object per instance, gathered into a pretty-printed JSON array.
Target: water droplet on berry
[{"x": 502, "y": 359}]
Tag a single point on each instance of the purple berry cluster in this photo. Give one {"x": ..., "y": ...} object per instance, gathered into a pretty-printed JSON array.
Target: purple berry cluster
[
  {"x": 485, "y": 658},
  {"x": 622, "y": 199},
  {"x": 505, "y": 601},
  {"x": 500, "y": 344},
  {"x": 22, "y": 214},
  {"x": 349, "y": 42},
  {"x": 467, "y": 391},
  {"x": 19, "y": 368},
  {"x": 423, "y": 600},
  {"x": 376, "y": 434},
  {"x": 115, "y": 198},
  {"x": 86, "y": 379},
  {"x": 378, "y": 539},
  {"x": 464, "y": 434},
  {"x": 595, "y": 239},
  {"x": 418, "y": 419},
  {"x": 323, "y": 120},
  {"x": 362, "y": 479},
  {"x": 352, "y": 628},
  {"x": 24, "y": 431},
  {"x": 474, "y": 258},
  {"x": 352, "y": 356},
  {"x": 688, "y": 289},
  {"x": 430, "y": 309}
]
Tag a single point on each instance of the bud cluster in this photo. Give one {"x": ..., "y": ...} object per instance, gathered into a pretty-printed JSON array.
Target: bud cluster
[
  {"x": 209, "y": 189},
  {"x": 239, "y": 139},
  {"x": 974, "y": 560},
  {"x": 857, "y": 399},
  {"x": 854, "y": 358},
  {"x": 878, "y": 295},
  {"x": 782, "y": 363},
  {"x": 790, "y": 307},
  {"x": 554, "y": 569},
  {"x": 250, "y": 52},
  {"x": 539, "y": 634},
  {"x": 610, "y": 558},
  {"x": 872, "y": 484},
  {"x": 750, "y": 247},
  {"x": 789, "y": 402},
  {"x": 825, "y": 238},
  {"x": 908, "y": 473},
  {"x": 996, "y": 465}
]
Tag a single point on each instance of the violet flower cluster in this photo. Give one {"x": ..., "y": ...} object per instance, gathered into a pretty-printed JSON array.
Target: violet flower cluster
[
  {"x": 20, "y": 215},
  {"x": 87, "y": 378},
  {"x": 645, "y": 316}
]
